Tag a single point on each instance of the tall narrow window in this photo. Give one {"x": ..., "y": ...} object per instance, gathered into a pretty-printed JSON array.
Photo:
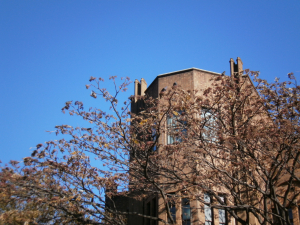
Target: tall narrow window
[
  {"x": 222, "y": 213},
  {"x": 176, "y": 128},
  {"x": 151, "y": 211},
  {"x": 208, "y": 210},
  {"x": 291, "y": 216},
  {"x": 148, "y": 212},
  {"x": 154, "y": 148},
  {"x": 153, "y": 138},
  {"x": 170, "y": 126},
  {"x": 172, "y": 207},
  {"x": 186, "y": 211},
  {"x": 209, "y": 125},
  {"x": 154, "y": 211}
]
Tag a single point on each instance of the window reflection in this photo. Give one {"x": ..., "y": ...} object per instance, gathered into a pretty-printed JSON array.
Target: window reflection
[
  {"x": 291, "y": 216},
  {"x": 176, "y": 128},
  {"x": 186, "y": 212},
  {"x": 172, "y": 207},
  {"x": 222, "y": 213},
  {"x": 207, "y": 210}
]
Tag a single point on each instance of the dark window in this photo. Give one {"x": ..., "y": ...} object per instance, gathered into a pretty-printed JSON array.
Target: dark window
[
  {"x": 276, "y": 220},
  {"x": 172, "y": 206},
  {"x": 154, "y": 211},
  {"x": 291, "y": 216},
  {"x": 148, "y": 208},
  {"x": 186, "y": 211},
  {"x": 154, "y": 139},
  {"x": 151, "y": 211}
]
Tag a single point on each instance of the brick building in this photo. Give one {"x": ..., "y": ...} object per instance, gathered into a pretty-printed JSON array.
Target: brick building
[
  {"x": 188, "y": 79},
  {"x": 189, "y": 212}
]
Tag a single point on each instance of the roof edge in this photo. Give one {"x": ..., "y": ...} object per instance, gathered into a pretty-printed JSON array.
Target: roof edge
[
  {"x": 193, "y": 68},
  {"x": 180, "y": 71}
]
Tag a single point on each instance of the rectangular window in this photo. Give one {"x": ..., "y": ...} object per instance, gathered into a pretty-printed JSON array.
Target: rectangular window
[
  {"x": 171, "y": 127},
  {"x": 148, "y": 212},
  {"x": 209, "y": 125},
  {"x": 151, "y": 211},
  {"x": 208, "y": 210},
  {"x": 176, "y": 128},
  {"x": 170, "y": 139},
  {"x": 172, "y": 207},
  {"x": 291, "y": 216},
  {"x": 186, "y": 211},
  {"x": 154, "y": 138},
  {"x": 154, "y": 211},
  {"x": 222, "y": 213}
]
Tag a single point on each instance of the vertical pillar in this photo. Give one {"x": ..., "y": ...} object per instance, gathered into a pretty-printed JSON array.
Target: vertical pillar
[
  {"x": 143, "y": 86},
  {"x": 239, "y": 65},
  {"x": 195, "y": 212},
  {"x": 162, "y": 214},
  {"x": 230, "y": 219},
  {"x": 231, "y": 62},
  {"x": 136, "y": 87},
  {"x": 236, "y": 68},
  {"x": 201, "y": 212},
  {"x": 216, "y": 216},
  {"x": 178, "y": 204}
]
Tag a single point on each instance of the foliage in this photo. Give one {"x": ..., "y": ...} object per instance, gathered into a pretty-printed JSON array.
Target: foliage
[{"x": 233, "y": 138}]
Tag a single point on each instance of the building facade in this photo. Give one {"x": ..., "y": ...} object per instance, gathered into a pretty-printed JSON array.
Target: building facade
[{"x": 186, "y": 211}]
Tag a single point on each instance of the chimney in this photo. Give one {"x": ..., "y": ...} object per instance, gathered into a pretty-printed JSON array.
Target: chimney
[
  {"x": 239, "y": 65},
  {"x": 137, "y": 88},
  {"x": 236, "y": 68},
  {"x": 143, "y": 86},
  {"x": 231, "y": 62}
]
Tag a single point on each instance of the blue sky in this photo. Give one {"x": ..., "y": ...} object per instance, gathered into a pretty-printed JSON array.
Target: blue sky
[{"x": 49, "y": 49}]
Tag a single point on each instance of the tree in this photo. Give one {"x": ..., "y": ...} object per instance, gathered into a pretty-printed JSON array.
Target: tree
[
  {"x": 17, "y": 207},
  {"x": 234, "y": 138}
]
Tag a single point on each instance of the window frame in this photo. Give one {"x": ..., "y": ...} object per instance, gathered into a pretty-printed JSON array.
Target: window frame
[
  {"x": 208, "y": 126},
  {"x": 208, "y": 222},
  {"x": 175, "y": 125},
  {"x": 223, "y": 198},
  {"x": 189, "y": 220},
  {"x": 171, "y": 205}
]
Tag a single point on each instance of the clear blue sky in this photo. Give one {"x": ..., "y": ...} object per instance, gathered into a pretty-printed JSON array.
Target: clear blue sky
[{"x": 49, "y": 49}]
